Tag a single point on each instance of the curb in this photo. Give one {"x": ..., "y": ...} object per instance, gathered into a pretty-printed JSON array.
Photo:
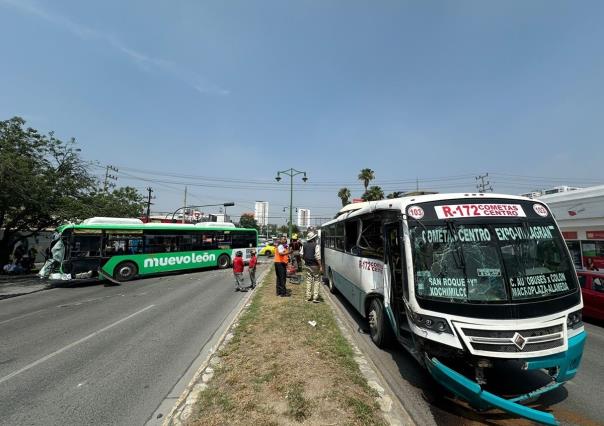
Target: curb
[
  {"x": 182, "y": 410},
  {"x": 390, "y": 406}
]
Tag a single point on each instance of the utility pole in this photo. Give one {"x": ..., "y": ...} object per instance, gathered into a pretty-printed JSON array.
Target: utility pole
[
  {"x": 149, "y": 198},
  {"x": 483, "y": 186},
  {"x": 109, "y": 176},
  {"x": 184, "y": 212}
]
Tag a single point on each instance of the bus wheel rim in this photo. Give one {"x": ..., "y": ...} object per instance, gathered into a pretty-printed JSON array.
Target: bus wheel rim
[{"x": 372, "y": 319}]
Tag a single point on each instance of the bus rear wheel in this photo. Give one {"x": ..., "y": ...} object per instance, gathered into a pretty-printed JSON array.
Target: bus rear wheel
[
  {"x": 125, "y": 271},
  {"x": 224, "y": 261},
  {"x": 379, "y": 328}
]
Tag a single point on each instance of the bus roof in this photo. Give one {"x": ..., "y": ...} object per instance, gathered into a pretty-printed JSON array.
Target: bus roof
[
  {"x": 400, "y": 204},
  {"x": 151, "y": 226}
]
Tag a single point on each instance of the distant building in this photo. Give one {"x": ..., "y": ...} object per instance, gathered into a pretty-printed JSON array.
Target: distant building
[
  {"x": 554, "y": 190},
  {"x": 261, "y": 213},
  {"x": 303, "y": 218},
  {"x": 580, "y": 215}
]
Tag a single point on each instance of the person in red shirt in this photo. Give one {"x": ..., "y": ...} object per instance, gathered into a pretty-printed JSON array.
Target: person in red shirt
[
  {"x": 238, "y": 271},
  {"x": 252, "y": 269}
]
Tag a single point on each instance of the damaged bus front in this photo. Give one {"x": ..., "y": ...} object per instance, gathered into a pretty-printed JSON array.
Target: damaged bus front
[
  {"x": 474, "y": 287},
  {"x": 492, "y": 285}
]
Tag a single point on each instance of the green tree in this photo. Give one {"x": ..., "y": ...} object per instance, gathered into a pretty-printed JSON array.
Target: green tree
[
  {"x": 44, "y": 182},
  {"x": 374, "y": 193},
  {"x": 272, "y": 229},
  {"x": 121, "y": 202},
  {"x": 395, "y": 194},
  {"x": 366, "y": 175},
  {"x": 344, "y": 194},
  {"x": 41, "y": 179},
  {"x": 247, "y": 221},
  {"x": 284, "y": 229}
]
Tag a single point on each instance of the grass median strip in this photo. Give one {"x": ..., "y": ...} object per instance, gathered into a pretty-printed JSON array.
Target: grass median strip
[{"x": 279, "y": 369}]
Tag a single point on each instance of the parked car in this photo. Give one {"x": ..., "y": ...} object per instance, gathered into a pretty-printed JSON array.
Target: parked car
[
  {"x": 267, "y": 250},
  {"x": 592, "y": 287}
]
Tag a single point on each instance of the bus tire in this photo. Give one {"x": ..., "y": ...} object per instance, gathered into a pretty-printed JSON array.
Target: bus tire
[
  {"x": 379, "y": 326},
  {"x": 125, "y": 271},
  {"x": 332, "y": 286},
  {"x": 224, "y": 261}
]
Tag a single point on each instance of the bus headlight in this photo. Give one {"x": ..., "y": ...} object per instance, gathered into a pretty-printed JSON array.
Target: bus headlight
[
  {"x": 574, "y": 319},
  {"x": 436, "y": 324}
]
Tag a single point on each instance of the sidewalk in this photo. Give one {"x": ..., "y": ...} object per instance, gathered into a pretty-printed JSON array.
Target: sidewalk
[{"x": 18, "y": 285}]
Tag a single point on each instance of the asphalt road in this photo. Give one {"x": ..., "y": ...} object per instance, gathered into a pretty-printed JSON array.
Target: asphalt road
[
  {"x": 109, "y": 355},
  {"x": 579, "y": 402}
]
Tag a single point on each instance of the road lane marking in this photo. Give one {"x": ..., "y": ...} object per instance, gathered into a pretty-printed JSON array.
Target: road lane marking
[
  {"x": 71, "y": 345},
  {"x": 21, "y": 316}
]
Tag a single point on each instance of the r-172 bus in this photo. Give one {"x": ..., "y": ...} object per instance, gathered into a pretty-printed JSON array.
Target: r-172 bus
[
  {"x": 121, "y": 249},
  {"x": 466, "y": 283}
]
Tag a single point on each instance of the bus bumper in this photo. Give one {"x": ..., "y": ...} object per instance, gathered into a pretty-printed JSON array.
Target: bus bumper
[{"x": 567, "y": 364}]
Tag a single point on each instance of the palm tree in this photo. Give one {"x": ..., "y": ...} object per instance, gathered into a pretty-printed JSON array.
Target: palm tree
[
  {"x": 344, "y": 194},
  {"x": 395, "y": 194},
  {"x": 366, "y": 175},
  {"x": 373, "y": 194}
]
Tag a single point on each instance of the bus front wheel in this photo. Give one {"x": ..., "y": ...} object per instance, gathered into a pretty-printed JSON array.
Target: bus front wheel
[
  {"x": 379, "y": 328},
  {"x": 224, "y": 261},
  {"x": 331, "y": 284},
  {"x": 125, "y": 271}
]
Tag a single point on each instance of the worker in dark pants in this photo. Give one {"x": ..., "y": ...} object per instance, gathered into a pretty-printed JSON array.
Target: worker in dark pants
[
  {"x": 281, "y": 260},
  {"x": 311, "y": 253}
]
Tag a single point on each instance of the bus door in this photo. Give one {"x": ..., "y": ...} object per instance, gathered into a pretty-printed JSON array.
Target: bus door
[
  {"x": 84, "y": 252},
  {"x": 394, "y": 258}
]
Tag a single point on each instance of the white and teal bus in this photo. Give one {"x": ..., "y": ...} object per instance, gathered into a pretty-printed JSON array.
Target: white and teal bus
[
  {"x": 121, "y": 249},
  {"x": 466, "y": 283}
]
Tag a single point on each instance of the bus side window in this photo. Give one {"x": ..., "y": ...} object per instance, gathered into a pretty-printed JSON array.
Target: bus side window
[
  {"x": 351, "y": 237},
  {"x": 162, "y": 243},
  {"x": 371, "y": 241},
  {"x": 120, "y": 244},
  {"x": 339, "y": 236},
  {"x": 86, "y": 246},
  {"x": 244, "y": 239},
  {"x": 208, "y": 242}
]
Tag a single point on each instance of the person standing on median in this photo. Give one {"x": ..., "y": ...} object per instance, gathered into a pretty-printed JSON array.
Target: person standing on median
[
  {"x": 296, "y": 246},
  {"x": 251, "y": 267},
  {"x": 311, "y": 254},
  {"x": 281, "y": 260},
  {"x": 238, "y": 271}
]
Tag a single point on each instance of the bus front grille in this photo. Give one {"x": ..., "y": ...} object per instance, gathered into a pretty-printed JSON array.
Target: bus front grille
[
  {"x": 514, "y": 349},
  {"x": 516, "y": 341}
]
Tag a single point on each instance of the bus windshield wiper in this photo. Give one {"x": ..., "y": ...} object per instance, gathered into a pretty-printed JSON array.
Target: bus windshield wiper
[{"x": 419, "y": 222}]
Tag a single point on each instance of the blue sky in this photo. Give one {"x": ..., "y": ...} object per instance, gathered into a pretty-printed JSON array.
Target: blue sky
[{"x": 179, "y": 92}]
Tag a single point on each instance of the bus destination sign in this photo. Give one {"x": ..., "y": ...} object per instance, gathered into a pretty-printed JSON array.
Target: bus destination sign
[{"x": 479, "y": 210}]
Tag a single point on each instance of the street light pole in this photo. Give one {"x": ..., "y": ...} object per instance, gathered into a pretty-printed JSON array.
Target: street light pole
[{"x": 291, "y": 173}]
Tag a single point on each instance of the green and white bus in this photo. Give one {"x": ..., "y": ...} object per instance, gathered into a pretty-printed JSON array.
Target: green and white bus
[{"x": 121, "y": 249}]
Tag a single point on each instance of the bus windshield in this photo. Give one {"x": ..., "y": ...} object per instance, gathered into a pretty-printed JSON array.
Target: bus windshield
[{"x": 490, "y": 263}]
